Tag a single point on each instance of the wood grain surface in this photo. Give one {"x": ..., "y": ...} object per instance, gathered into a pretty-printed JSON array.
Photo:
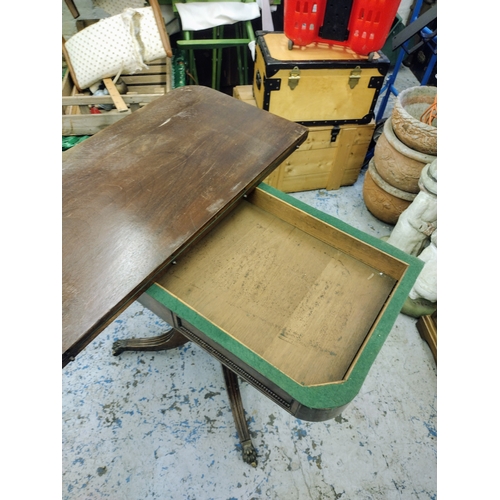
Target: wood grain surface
[{"x": 138, "y": 193}]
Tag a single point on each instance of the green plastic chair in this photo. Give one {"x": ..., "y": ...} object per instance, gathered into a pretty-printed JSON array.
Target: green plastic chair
[{"x": 244, "y": 34}]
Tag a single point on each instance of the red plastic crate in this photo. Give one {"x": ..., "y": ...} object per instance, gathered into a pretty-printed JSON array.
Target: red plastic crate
[{"x": 369, "y": 23}]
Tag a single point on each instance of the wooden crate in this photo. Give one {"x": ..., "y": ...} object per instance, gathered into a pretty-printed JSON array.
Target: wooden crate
[
  {"x": 143, "y": 87},
  {"x": 317, "y": 85},
  {"x": 244, "y": 93},
  {"x": 331, "y": 157}
]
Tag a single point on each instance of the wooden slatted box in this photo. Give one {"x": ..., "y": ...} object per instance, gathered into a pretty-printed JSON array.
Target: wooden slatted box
[
  {"x": 332, "y": 155},
  {"x": 142, "y": 88}
]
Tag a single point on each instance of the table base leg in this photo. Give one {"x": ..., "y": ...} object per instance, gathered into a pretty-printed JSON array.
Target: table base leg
[
  {"x": 233, "y": 390},
  {"x": 173, "y": 338},
  {"x": 168, "y": 340}
]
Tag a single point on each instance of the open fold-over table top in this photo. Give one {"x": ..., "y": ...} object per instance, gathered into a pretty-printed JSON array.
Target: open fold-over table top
[
  {"x": 292, "y": 300},
  {"x": 138, "y": 193}
]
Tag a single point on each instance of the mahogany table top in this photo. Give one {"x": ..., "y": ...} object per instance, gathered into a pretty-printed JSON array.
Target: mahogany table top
[{"x": 141, "y": 191}]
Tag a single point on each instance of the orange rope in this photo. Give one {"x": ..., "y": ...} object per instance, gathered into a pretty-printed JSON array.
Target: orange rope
[{"x": 430, "y": 113}]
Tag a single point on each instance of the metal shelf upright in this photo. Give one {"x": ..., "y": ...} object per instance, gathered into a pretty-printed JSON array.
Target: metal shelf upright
[{"x": 417, "y": 25}]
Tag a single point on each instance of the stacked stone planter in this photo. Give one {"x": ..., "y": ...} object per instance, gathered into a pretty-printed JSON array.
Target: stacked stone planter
[{"x": 402, "y": 151}]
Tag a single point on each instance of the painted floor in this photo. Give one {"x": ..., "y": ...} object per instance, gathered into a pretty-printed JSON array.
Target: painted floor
[{"x": 158, "y": 425}]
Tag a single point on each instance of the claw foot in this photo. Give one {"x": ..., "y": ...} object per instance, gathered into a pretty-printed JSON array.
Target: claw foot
[
  {"x": 249, "y": 454},
  {"x": 118, "y": 347}
]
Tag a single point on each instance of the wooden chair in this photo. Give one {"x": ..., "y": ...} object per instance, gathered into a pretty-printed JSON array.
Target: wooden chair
[{"x": 215, "y": 39}]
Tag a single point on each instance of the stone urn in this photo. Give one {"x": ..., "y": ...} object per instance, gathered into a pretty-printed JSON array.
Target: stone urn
[
  {"x": 398, "y": 164},
  {"x": 409, "y": 107},
  {"x": 419, "y": 220},
  {"x": 384, "y": 201}
]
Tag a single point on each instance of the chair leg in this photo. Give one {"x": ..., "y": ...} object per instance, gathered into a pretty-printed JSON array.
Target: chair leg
[
  {"x": 188, "y": 35},
  {"x": 193, "y": 70},
  {"x": 218, "y": 56},
  {"x": 239, "y": 58},
  {"x": 246, "y": 67},
  {"x": 251, "y": 37},
  {"x": 215, "y": 59}
]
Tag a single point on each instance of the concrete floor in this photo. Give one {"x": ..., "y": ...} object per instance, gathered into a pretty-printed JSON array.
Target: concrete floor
[{"x": 159, "y": 425}]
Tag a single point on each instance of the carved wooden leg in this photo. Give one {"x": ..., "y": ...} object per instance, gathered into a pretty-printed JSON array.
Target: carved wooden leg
[
  {"x": 233, "y": 390},
  {"x": 173, "y": 338}
]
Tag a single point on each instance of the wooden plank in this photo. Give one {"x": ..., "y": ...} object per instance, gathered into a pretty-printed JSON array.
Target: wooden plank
[
  {"x": 154, "y": 69},
  {"x": 73, "y": 110},
  {"x": 306, "y": 170},
  {"x": 353, "y": 142},
  {"x": 140, "y": 79},
  {"x": 70, "y": 66},
  {"x": 332, "y": 236},
  {"x": 142, "y": 190},
  {"x": 273, "y": 178},
  {"x": 88, "y": 100},
  {"x": 319, "y": 138},
  {"x": 161, "y": 60},
  {"x": 350, "y": 176},
  {"x": 90, "y": 124},
  {"x": 169, "y": 73},
  {"x": 341, "y": 158},
  {"x": 115, "y": 95},
  {"x": 148, "y": 89},
  {"x": 67, "y": 89},
  {"x": 160, "y": 23},
  {"x": 244, "y": 93}
]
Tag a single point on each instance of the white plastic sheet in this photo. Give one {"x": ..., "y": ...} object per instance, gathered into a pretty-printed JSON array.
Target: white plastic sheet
[{"x": 203, "y": 15}]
